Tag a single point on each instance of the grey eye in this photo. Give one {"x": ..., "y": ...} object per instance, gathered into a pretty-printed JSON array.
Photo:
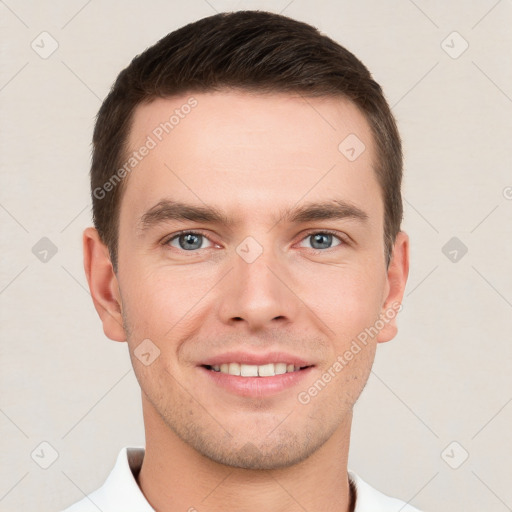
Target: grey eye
[
  {"x": 322, "y": 240},
  {"x": 188, "y": 241}
]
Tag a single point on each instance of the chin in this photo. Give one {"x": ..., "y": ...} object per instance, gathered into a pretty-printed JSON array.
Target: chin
[
  {"x": 278, "y": 450},
  {"x": 253, "y": 458}
]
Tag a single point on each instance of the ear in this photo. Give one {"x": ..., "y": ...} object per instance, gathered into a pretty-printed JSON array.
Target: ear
[
  {"x": 398, "y": 271},
  {"x": 103, "y": 285}
]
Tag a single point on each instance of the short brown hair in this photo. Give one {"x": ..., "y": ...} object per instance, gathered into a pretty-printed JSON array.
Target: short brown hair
[{"x": 250, "y": 50}]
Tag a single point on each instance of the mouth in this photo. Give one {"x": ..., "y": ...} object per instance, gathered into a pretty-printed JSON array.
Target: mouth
[
  {"x": 249, "y": 374},
  {"x": 256, "y": 380},
  {"x": 253, "y": 370}
]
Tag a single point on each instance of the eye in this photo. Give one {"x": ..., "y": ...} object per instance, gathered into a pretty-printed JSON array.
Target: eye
[
  {"x": 323, "y": 240},
  {"x": 191, "y": 241},
  {"x": 187, "y": 240}
]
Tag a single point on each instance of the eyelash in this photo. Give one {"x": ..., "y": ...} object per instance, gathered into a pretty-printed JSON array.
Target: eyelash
[{"x": 343, "y": 239}]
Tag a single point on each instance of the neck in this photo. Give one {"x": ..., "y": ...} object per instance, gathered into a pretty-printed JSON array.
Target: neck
[{"x": 175, "y": 477}]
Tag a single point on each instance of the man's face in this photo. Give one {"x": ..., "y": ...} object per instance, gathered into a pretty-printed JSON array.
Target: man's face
[{"x": 261, "y": 284}]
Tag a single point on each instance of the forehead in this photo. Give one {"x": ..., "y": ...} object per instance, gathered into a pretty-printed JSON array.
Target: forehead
[{"x": 239, "y": 151}]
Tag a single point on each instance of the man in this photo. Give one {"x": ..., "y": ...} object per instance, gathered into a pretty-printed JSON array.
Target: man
[{"x": 246, "y": 179}]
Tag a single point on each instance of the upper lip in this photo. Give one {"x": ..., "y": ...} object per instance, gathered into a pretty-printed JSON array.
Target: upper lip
[{"x": 256, "y": 359}]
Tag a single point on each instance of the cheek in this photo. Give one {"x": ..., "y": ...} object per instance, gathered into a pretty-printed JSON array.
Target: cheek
[
  {"x": 162, "y": 301},
  {"x": 346, "y": 299}
]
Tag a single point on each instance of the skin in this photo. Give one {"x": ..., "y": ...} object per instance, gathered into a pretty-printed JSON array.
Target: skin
[{"x": 250, "y": 156}]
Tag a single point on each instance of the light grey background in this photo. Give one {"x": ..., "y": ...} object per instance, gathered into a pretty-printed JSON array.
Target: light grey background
[{"x": 445, "y": 378}]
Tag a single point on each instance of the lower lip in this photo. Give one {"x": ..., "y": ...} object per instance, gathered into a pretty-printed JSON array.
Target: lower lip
[{"x": 257, "y": 386}]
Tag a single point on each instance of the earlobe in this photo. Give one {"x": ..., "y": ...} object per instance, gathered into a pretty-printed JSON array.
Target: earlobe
[
  {"x": 398, "y": 272},
  {"x": 103, "y": 285}
]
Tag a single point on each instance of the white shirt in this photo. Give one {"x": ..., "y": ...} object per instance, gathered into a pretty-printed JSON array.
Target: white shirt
[{"x": 121, "y": 493}]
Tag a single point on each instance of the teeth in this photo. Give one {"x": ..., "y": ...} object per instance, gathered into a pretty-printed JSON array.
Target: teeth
[
  {"x": 280, "y": 368},
  {"x": 248, "y": 370},
  {"x": 252, "y": 370},
  {"x": 234, "y": 369},
  {"x": 266, "y": 370}
]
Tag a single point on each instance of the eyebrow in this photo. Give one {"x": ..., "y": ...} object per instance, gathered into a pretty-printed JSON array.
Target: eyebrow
[{"x": 167, "y": 210}]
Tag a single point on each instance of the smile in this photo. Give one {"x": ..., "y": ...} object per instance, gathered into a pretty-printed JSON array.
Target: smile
[{"x": 252, "y": 370}]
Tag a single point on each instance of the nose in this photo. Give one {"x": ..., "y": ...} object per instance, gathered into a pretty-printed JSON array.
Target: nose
[{"x": 259, "y": 292}]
